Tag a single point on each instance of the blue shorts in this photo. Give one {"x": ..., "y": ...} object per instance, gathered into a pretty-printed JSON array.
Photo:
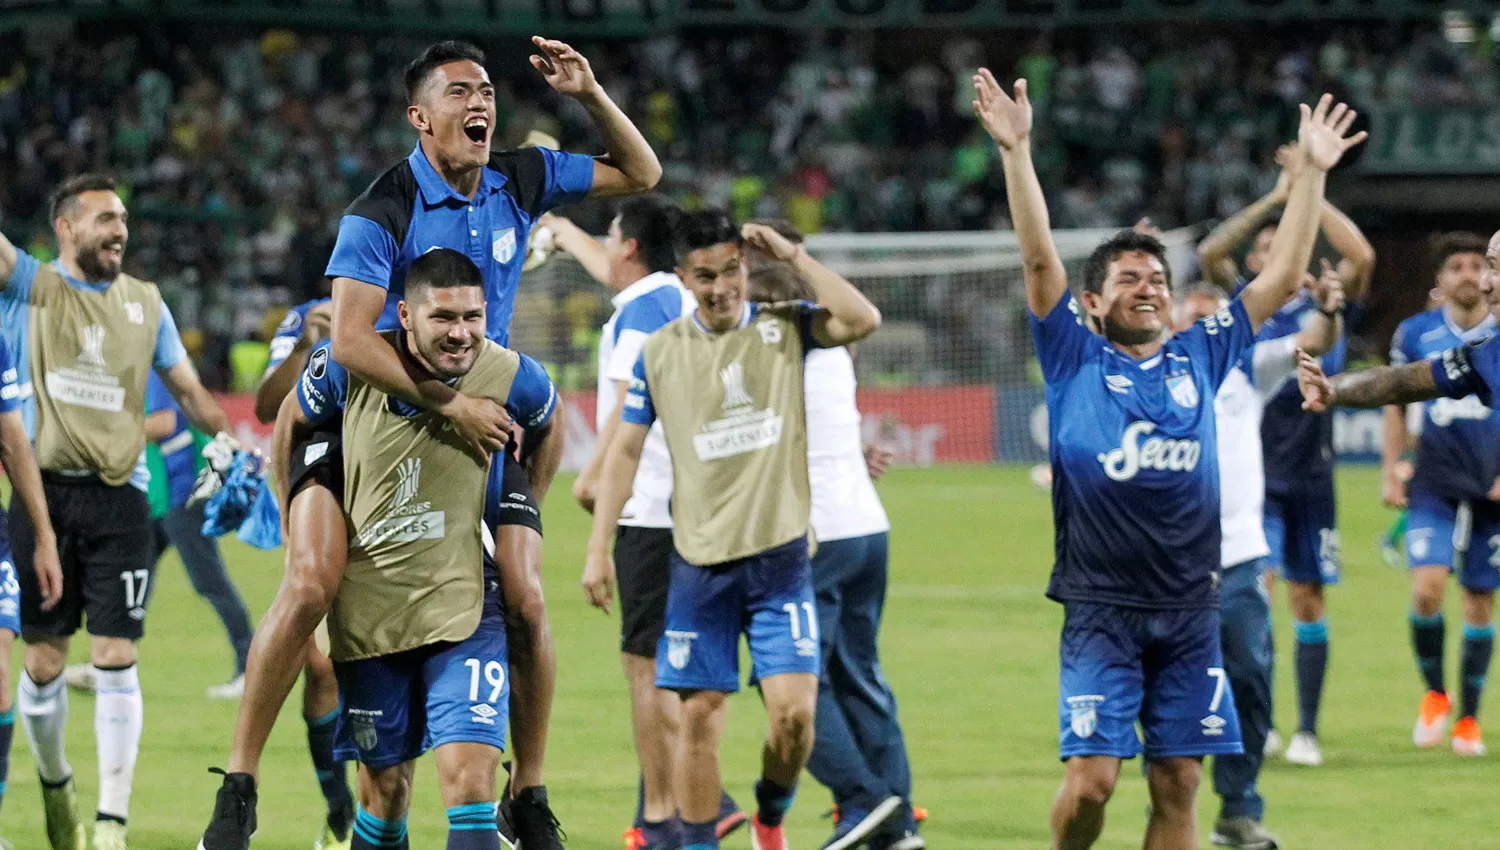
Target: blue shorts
[
  {"x": 1302, "y": 531},
  {"x": 396, "y": 707},
  {"x": 768, "y": 596},
  {"x": 1163, "y": 668},
  {"x": 1463, "y": 536}
]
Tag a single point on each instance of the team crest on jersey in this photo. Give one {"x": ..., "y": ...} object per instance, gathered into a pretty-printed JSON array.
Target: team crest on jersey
[
  {"x": 679, "y": 648},
  {"x": 1085, "y": 714},
  {"x": 1184, "y": 390},
  {"x": 503, "y": 246}
]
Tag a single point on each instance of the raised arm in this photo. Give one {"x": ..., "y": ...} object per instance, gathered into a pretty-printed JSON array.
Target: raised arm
[
  {"x": 197, "y": 402},
  {"x": 847, "y": 316},
  {"x": 579, "y": 245},
  {"x": 1356, "y": 255},
  {"x": 1321, "y": 142},
  {"x": 1324, "y": 327},
  {"x": 629, "y": 165},
  {"x": 1216, "y": 251},
  {"x": 1008, "y": 121}
]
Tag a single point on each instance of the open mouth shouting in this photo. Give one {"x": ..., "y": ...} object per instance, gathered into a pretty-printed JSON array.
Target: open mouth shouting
[{"x": 477, "y": 128}]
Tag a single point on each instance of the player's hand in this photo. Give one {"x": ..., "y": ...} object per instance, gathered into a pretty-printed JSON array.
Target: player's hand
[
  {"x": 1291, "y": 165},
  {"x": 564, "y": 68},
  {"x": 49, "y": 578},
  {"x": 1317, "y": 390},
  {"x": 599, "y": 581},
  {"x": 583, "y": 493},
  {"x": 1393, "y": 486},
  {"x": 1006, "y": 119},
  {"x": 1328, "y": 288},
  {"x": 1145, "y": 228},
  {"x": 878, "y": 459},
  {"x": 317, "y": 325},
  {"x": 1494, "y": 494},
  {"x": 1323, "y": 134},
  {"x": 481, "y": 423},
  {"x": 768, "y": 241}
]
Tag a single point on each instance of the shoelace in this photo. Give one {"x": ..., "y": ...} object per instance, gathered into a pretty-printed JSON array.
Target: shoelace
[
  {"x": 241, "y": 811},
  {"x": 544, "y": 809}
]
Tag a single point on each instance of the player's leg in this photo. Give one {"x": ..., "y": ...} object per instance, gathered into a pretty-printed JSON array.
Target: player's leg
[
  {"x": 320, "y": 711},
  {"x": 384, "y": 799},
  {"x": 1431, "y": 528},
  {"x": 1078, "y": 808},
  {"x": 1173, "y": 783},
  {"x": 383, "y": 726},
  {"x": 10, "y": 626},
  {"x": 1479, "y": 578},
  {"x": 1245, "y": 633},
  {"x": 1312, "y": 564},
  {"x": 210, "y": 579}
]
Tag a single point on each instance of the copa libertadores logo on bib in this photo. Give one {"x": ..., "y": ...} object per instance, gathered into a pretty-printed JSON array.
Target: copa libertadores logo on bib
[
  {"x": 743, "y": 428},
  {"x": 85, "y": 383},
  {"x": 406, "y": 519}
]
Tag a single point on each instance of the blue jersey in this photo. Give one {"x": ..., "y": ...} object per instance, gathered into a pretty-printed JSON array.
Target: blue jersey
[
  {"x": 324, "y": 387},
  {"x": 177, "y": 453},
  {"x": 289, "y": 333},
  {"x": 11, "y": 394},
  {"x": 410, "y": 210},
  {"x": 1135, "y": 469},
  {"x": 1458, "y": 454},
  {"x": 1470, "y": 369},
  {"x": 1298, "y": 445}
]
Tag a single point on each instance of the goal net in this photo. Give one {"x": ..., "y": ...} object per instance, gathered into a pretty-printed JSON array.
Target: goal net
[{"x": 950, "y": 377}]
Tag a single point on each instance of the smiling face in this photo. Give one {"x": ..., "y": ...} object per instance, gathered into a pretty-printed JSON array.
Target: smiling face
[
  {"x": 92, "y": 229},
  {"x": 1135, "y": 300},
  {"x": 716, "y": 277},
  {"x": 455, "y": 110},
  {"x": 1458, "y": 279},
  {"x": 445, "y": 327}
]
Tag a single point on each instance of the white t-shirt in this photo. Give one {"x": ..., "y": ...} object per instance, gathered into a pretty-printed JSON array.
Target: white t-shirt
[
  {"x": 1242, "y": 475},
  {"x": 844, "y": 501},
  {"x": 640, "y": 309}
]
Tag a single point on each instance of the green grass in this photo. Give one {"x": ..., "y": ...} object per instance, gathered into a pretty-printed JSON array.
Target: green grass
[{"x": 969, "y": 645}]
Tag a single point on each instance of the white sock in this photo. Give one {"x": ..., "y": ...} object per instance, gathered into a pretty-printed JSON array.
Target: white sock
[
  {"x": 118, "y": 715},
  {"x": 44, "y": 716}
]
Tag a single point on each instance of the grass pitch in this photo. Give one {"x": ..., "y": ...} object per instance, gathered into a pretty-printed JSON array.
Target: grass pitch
[{"x": 970, "y": 646}]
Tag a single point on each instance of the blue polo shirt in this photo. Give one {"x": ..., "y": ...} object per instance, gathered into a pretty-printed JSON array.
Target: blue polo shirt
[{"x": 410, "y": 209}]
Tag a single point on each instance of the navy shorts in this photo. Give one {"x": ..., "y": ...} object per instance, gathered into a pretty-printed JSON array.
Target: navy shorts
[
  {"x": 768, "y": 597},
  {"x": 1161, "y": 668},
  {"x": 1463, "y": 536},
  {"x": 396, "y": 707},
  {"x": 1302, "y": 531}
]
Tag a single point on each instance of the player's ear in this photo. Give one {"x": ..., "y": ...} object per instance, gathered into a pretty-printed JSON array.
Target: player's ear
[
  {"x": 404, "y": 314},
  {"x": 416, "y": 118}
]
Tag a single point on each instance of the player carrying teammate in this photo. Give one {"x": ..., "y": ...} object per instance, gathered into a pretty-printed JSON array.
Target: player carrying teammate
[
  {"x": 1453, "y": 519},
  {"x": 453, "y": 192},
  {"x": 87, "y": 335},
  {"x": 1135, "y": 483},
  {"x": 726, "y": 384},
  {"x": 1301, "y": 515}
]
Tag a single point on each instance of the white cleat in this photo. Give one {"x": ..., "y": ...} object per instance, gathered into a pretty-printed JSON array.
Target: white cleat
[
  {"x": 1274, "y": 745},
  {"x": 232, "y": 689},
  {"x": 1304, "y": 750},
  {"x": 1432, "y": 720},
  {"x": 79, "y": 676}
]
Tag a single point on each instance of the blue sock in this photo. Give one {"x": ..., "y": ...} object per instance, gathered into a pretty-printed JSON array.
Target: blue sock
[
  {"x": 1474, "y": 665},
  {"x": 699, "y": 836},
  {"x": 772, "y": 801},
  {"x": 371, "y": 833},
  {"x": 640, "y": 804},
  {"x": 1312, "y": 665},
  {"x": 1427, "y": 639},
  {"x": 331, "y": 773},
  {"x": 7, "y": 730},
  {"x": 472, "y": 827}
]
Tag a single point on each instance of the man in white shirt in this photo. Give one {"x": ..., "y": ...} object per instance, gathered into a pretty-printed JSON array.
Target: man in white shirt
[
  {"x": 1244, "y": 596},
  {"x": 636, "y": 262}
]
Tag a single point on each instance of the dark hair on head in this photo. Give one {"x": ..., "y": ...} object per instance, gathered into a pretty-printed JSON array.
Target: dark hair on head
[
  {"x": 1096, "y": 268},
  {"x": 1445, "y": 245},
  {"x": 435, "y": 57},
  {"x": 76, "y": 185},
  {"x": 783, "y": 227},
  {"x": 777, "y": 281},
  {"x": 442, "y": 268},
  {"x": 702, "y": 229},
  {"x": 650, "y": 220}
]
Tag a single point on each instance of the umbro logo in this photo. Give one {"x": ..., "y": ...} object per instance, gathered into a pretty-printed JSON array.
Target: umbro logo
[
  {"x": 1118, "y": 383},
  {"x": 483, "y": 713},
  {"x": 1213, "y": 725}
]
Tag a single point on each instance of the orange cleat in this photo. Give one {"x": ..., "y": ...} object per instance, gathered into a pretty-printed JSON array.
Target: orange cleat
[
  {"x": 764, "y": 837},
  {"x": 1432, "y": 720},
  {"x": 1466, "y": 739},
  {"x": 635, "y": 839}
]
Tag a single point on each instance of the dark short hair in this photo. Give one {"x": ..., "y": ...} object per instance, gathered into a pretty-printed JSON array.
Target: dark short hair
[
  {"x": 1445, "y": 245},
  {"x": 1096, "y": 268},
  {"x": 778, "y": 281},
  {"x": 441, "y": 268},
  {"x": 435, "y": 57},
  {"x": 702, "y": 229},
  {"x": 71, "y": 188},
  {"x": 650, "y": 220}
]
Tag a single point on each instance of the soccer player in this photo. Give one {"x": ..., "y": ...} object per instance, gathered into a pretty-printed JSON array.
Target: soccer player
[
  {"x": 417, "y": 628},
  {"x": 453, "y": 192},
  {"x": 1301, "y": 515},
  {"x": 859, "y": 750},
  {"x": 88, "y": 335},
  {"x": 1453, "y": 522},
  {"x": 726, "y": 384},
  {"x": 1245, "y": 605},
  {"x": 1135, "y": 483}
]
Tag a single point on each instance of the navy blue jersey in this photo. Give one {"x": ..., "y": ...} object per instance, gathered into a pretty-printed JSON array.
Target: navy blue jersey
[
  {"x": 1298, "y": 445},
  {"x": 1469, "y": 369},
  {"x": 1135, "y": 470},
  {"x": 289, "y": 332},
  {"x": 410, "y": 210},
  {"x": 1459, "y": 450}
]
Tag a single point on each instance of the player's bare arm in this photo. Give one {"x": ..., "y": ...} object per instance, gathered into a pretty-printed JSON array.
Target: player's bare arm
[
  {"x": 616, "y": 479},
  {"x": 1216, "y": 251},
  {"x": 1394, "y": 441},
  {"x": 847, "y": 315},
  {"x": 1326, "y": 325},
  {"x": 481, "y": 423},
  {"x": 1322, "y": 138},
  {"x": 26, "y": 480},
  {"x": 1356, "y": 254},
  {"x": 578, "y": 244},
  {"x": 586, "y": 486},
  {"x": 275, "y": 386},
  {"x": 197, "y": 402},
  {"x": 1367, "y": 388},
  {"x": 160, "y": 425},
  {"x": 542, "y": 452},
  {"x": 1008, "y": 121},
  {"x": 628, "y": 165}
]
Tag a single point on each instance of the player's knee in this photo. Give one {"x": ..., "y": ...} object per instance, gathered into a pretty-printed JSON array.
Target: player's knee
[
  {"x": 112, "y": 653},
  {"x": 700, "y": 717},
  {"x": 44, "y": 661},
  {"x": 1174, "y": 781},
  {"x": 1479, "y": 607},
  {"x": 1427, "y": 591},
  {"x": 792, "y": 724},
  {"x": 1092, "y": 782},
  {"x": 385, "y": 793},
  {"x": 469, "y": 780}
]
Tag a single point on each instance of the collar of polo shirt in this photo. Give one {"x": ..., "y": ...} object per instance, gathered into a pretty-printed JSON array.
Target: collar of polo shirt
[{"x": 436, "y": 191}]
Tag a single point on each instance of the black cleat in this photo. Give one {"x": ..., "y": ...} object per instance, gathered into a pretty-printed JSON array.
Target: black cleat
[
  {"x": 233, "y": 822},
  {"x": 536, "y": 827}
]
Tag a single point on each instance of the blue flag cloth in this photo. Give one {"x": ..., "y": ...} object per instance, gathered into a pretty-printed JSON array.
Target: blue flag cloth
[
  {"x": 229, "y": 506},
  {"x": 262, "y": 528}
]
